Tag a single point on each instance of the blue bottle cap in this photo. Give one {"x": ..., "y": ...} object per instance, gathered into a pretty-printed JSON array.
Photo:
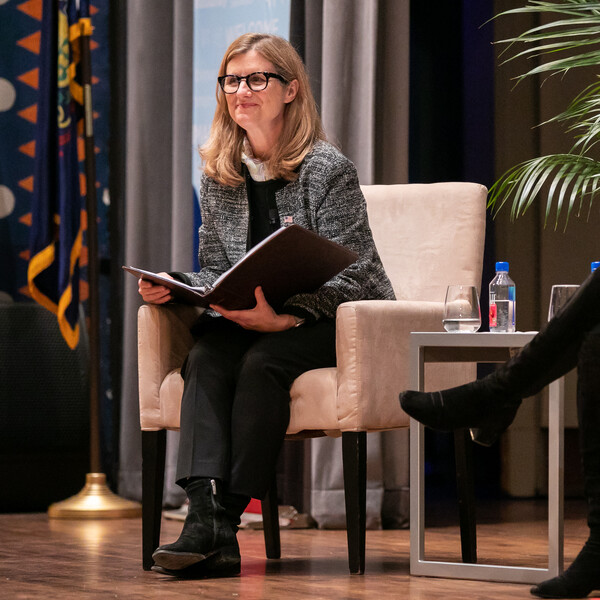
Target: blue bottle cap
[
  {"x": 595, "y": 265},
  {"x": 502, "y": 266}
]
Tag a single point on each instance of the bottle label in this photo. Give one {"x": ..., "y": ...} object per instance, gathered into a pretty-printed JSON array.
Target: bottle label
[{"x": 493, "y": 316}]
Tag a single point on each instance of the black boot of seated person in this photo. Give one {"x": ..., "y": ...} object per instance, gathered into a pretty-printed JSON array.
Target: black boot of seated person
[
  {"x": 489, "y": 405},
  {"x": 207, "y": 536},
  {"x": 583, "y": 576},
  {"x": 483, "y": 405}
]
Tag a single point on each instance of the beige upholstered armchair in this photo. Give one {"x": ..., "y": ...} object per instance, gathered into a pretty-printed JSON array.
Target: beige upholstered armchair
[{"x": 428, "y": 236}]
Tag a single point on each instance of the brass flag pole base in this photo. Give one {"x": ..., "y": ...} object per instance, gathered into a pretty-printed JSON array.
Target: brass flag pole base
[{"x": 95, "y": 501}]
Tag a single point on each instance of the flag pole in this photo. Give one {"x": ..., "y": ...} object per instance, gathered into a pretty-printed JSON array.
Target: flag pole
[{"x": 95, "y": 500}]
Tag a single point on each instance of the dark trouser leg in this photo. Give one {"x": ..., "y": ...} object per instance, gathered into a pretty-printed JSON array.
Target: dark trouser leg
[
  {"x": 261, "y": 413},
  {"x": 588, "y": 407},
  {"x": 583, "y": 575},
  {"x": 209, "y": 375},
  {"x": 491, "y": 403}
]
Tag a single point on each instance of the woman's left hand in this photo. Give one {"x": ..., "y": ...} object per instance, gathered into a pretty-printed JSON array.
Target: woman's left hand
[{"x": 260, "y": 318}]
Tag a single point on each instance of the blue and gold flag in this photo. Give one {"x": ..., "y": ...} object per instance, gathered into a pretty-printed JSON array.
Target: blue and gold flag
[{"x": 58, "y": 202}]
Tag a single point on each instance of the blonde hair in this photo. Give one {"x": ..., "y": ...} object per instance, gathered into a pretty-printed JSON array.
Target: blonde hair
[{"x": 302, "y": 127}]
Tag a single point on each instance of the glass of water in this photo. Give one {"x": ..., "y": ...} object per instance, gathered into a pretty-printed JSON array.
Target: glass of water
[
  {"x": 461, "y": 309},
  {"x": 559, "y": 296}
]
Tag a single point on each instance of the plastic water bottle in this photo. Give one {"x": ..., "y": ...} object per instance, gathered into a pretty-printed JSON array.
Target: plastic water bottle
[
  {"x": 503, "y": 301},
  {"x": 595, "y": 265}
]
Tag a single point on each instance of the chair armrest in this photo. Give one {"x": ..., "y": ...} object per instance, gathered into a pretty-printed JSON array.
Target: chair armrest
[
  {"x": 373, "y": 360},
  {"x": 164, "y": 340}
]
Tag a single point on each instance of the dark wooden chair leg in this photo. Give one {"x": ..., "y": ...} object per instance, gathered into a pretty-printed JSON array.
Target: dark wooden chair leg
[
  {"x": 465, "y": 485},
  {"x": 153, "y": 476},
  {"x": 270, "y": 515},
  {"x": 354, "y": 456}
]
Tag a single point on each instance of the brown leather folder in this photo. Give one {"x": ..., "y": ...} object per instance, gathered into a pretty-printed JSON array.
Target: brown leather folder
[{"x": 290, "y": 261}]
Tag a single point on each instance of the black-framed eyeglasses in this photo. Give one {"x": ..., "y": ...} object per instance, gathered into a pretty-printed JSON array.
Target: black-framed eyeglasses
[{"x": 257, "y": 81}]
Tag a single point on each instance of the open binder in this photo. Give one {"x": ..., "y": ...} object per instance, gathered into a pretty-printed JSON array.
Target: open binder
[{"x": 290, "y": 261}]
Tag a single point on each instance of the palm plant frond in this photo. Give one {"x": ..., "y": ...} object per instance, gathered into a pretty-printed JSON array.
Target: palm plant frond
[
  {"x": 570, "y": 182},
  {"x": 582, "y": 118}
]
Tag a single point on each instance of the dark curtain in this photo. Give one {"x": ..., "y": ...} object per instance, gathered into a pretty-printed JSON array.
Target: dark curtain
[{"x": 159, "y": 207}]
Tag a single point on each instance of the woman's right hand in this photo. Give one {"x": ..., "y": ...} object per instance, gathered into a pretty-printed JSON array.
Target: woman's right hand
[{"x": 155, "y": 294}]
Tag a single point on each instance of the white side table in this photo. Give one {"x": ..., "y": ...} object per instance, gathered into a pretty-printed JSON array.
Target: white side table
[{"x": 481, "y": 347}]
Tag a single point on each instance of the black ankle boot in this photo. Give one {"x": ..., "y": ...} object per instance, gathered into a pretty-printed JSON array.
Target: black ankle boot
[
  {"x": 207, "y": 537},
  {"x": 490, "y": 404},
  {"x": 583, "y": 576}
]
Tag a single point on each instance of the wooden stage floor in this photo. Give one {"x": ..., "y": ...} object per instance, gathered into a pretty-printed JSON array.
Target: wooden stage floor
[{"x": 76, "y": 560}]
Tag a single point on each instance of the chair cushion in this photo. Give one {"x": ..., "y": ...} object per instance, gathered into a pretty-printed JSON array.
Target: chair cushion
[
  {"x": 313, "y": 403},
  {"x": 428, "y": 235}
]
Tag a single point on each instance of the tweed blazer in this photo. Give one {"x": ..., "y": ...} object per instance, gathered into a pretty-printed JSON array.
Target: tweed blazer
[{"x": 326, "y": 198}]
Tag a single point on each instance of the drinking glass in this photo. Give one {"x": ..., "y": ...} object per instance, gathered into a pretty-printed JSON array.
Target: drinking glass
[
  {"x": 559, "y": 296},
  {"x": 461, "y": 309}
]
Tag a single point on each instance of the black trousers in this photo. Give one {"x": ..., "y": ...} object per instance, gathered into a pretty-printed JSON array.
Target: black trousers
[{"x": 235, "y": 406}]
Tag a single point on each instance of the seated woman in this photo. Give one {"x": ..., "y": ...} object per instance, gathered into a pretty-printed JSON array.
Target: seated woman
[
  {"x": 571, "y": 339},
  {"x": 266, "y": 163}
]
